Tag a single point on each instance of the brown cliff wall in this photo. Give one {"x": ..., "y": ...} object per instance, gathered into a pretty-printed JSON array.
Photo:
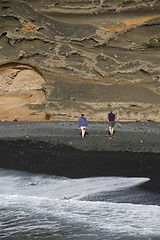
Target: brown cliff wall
[{"x": 93, "y": 55}]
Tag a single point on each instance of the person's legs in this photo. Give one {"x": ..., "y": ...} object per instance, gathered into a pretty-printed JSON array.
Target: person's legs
[
  {"x": 83, "y": 129},
  {"x": 111, "y": 128}
]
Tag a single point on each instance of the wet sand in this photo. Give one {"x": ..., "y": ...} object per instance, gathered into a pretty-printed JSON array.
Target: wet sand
[{"x": 57, "y": 148}]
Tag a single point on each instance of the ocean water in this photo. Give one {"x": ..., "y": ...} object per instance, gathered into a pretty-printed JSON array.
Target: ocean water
[{"x": 36, "y": 206}]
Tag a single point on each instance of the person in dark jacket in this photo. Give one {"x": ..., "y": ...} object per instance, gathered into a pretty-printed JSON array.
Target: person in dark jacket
[
  {"x": 83, "y": 123},
  {"x": 111, "y": 119}
]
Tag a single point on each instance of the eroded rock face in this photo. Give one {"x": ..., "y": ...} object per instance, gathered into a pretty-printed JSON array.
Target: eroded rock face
[
  {"x": 94, "y": 55},
  {"x": 21, "y": 93}
]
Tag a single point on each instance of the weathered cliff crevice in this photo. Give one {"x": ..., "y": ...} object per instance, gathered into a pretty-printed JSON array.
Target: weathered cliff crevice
[{"x": 21, "y": 93}]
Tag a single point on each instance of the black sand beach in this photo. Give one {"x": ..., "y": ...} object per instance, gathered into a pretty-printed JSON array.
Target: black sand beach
[{"x": 57, "y": 148}]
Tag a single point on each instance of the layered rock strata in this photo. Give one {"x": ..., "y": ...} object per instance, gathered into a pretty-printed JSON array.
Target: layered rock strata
[{"x": 92, "y": 55}]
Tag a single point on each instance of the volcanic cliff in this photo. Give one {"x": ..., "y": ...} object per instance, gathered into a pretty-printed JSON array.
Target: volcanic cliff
[{"x": 61, "y": 58}]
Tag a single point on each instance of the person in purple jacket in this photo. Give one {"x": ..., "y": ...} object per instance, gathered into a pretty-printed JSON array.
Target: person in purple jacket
[{"x": 83, "y": 123}]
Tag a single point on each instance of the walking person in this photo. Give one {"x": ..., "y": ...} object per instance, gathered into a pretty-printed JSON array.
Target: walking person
[
  {"x": 83, "y": 123},
  {"x": 111, "y": 120}
]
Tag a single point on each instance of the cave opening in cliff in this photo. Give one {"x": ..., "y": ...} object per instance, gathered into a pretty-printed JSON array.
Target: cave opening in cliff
[{"x": 22, "y": 96}]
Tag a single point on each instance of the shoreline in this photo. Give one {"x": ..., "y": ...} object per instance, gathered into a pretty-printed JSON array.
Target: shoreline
[{"x": 56, "y": 148}]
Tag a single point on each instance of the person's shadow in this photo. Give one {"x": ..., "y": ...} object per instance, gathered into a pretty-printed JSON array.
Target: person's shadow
[
  {"x": 113, "y": 133},
  {"x": 86, "y": 133}
]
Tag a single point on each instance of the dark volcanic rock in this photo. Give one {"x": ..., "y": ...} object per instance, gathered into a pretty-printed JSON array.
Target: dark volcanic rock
[
  {"x": 63, "y": 160},
  {"x": 57, "y": 148},
  {"x": 87, "y": 46}
]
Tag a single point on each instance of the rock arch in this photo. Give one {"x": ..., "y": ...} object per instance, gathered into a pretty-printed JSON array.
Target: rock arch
[{"x": 21, "y": 93}]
